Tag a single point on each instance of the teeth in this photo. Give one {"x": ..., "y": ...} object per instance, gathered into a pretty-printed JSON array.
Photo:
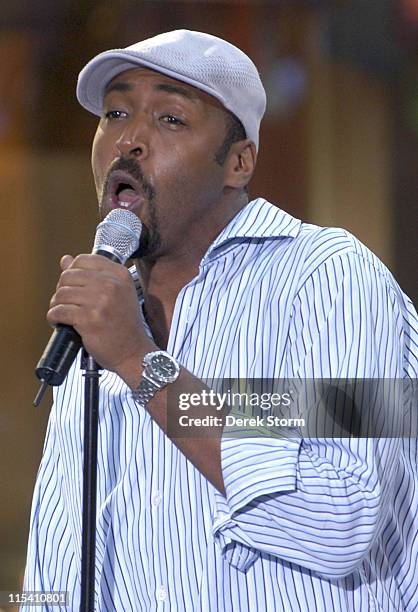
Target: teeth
[{"x": 124, "y": 204}]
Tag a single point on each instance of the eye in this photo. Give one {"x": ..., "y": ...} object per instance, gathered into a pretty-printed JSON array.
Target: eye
[
  {"x": 115, "y": 114},
  {"x": 172, "y": 120}
]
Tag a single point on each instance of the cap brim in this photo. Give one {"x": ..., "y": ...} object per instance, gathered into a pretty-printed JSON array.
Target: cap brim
[{"x": 98, "y": 73}]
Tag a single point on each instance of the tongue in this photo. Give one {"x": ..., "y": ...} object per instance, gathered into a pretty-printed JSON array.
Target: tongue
[{"x": 128, "y": 195}]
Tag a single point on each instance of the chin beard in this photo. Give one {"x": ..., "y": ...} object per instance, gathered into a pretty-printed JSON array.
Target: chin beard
[
  {"x": 149, "y": 243},
  {"x": 150, "y": 239}
]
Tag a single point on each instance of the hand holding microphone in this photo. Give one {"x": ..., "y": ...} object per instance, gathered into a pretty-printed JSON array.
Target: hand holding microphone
[{"x": 95, "y": 303}]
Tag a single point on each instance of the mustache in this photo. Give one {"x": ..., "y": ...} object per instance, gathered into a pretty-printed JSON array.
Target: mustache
[{"x": 129, "y": 165}]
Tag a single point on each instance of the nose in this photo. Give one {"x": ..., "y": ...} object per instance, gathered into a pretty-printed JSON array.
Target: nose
[{"x": 132, "y": 142}]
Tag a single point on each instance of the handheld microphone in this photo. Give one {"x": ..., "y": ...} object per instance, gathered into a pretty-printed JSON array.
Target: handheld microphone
[{"x": 117, "y": 238}]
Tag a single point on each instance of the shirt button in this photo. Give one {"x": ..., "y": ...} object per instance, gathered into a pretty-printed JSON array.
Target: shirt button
[
  {"x": 156, "y": 499},
  {"x": 161, "y": 593}
]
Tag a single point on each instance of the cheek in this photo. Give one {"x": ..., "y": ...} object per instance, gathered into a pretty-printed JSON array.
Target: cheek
[
  {"x": 190, "y": 168},
  {"x": 99, "y": 159}
]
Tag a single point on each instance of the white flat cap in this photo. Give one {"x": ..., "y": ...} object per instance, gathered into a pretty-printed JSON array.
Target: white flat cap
[{"x": 202, "y": 60}]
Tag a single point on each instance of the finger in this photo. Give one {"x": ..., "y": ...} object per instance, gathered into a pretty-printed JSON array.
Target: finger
[
  {"x": 95, "y": 262},
  {"x": 68, "y": 295},
  {"x": 75, "y": 277},
  {"x": 63, "y": 313},
  {"x": 66, "y": 261}
]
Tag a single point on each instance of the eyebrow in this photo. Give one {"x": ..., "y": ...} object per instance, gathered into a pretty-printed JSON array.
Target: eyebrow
[
  {"x": 118, "y": 86},
  {"x": 167, "y": 87},
  {"x": 177, "y": 89}
]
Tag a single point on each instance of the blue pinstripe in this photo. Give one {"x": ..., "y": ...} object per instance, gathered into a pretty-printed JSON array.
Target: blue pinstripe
[{"x": 307, "y": 525}]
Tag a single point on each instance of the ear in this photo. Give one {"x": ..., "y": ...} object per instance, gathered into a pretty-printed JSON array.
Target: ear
[{"x": 240, "y": 164}]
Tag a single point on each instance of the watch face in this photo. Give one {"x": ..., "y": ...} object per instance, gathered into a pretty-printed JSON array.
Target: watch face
[{"x": 163, "y": 367}]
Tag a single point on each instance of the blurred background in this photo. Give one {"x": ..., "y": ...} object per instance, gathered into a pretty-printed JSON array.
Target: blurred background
[{"x": 339, "y": 146}]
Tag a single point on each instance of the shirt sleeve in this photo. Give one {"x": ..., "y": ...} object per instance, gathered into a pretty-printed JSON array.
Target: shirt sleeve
[
  {"x": 50, "y": 554},
  {"x": 320, "y": 502},
  {"x": 33, "y": 580}
]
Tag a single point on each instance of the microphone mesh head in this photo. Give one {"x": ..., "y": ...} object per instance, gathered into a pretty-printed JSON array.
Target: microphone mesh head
[{"x": 118, "y": 234}]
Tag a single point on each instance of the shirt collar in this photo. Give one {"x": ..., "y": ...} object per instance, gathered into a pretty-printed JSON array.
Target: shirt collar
[{"x": 258, "y": 219}]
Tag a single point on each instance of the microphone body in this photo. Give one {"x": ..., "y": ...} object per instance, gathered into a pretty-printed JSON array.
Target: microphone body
[{"x": 117, "y": 238}]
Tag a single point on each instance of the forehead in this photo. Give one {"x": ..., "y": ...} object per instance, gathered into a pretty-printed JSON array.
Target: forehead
[{"x": 136, "y": 79}]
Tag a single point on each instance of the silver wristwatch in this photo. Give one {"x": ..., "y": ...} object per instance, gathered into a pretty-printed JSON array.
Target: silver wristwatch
[{"x": 160, "y": 369}]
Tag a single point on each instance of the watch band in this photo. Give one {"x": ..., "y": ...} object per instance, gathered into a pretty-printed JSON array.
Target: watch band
[
  {"x": 159, "y": 370},
  {"x": 144, "y": 392}
]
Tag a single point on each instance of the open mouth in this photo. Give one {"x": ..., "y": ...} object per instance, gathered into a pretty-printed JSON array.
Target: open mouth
[
  {"x": 125, "y": 195},
  {"x": 125, "y": 192}
]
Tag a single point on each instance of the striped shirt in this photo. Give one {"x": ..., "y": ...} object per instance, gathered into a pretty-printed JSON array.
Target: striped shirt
[{"x": 306, "y": 524}]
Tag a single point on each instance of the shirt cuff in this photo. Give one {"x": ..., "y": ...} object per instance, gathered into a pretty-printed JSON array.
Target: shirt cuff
[{"x": 251, "y": 467}]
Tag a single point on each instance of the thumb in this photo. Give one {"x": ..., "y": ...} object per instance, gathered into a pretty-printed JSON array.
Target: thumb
[{"x": 66, "y": 261}]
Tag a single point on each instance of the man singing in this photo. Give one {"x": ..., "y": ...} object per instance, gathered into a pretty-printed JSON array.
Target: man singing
[{"x": 223, "y": 287}]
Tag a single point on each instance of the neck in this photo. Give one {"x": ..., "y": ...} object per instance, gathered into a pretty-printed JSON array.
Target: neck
[
  {"x": 167, "y": 272},
  {"x": 163, "y": 277}
]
